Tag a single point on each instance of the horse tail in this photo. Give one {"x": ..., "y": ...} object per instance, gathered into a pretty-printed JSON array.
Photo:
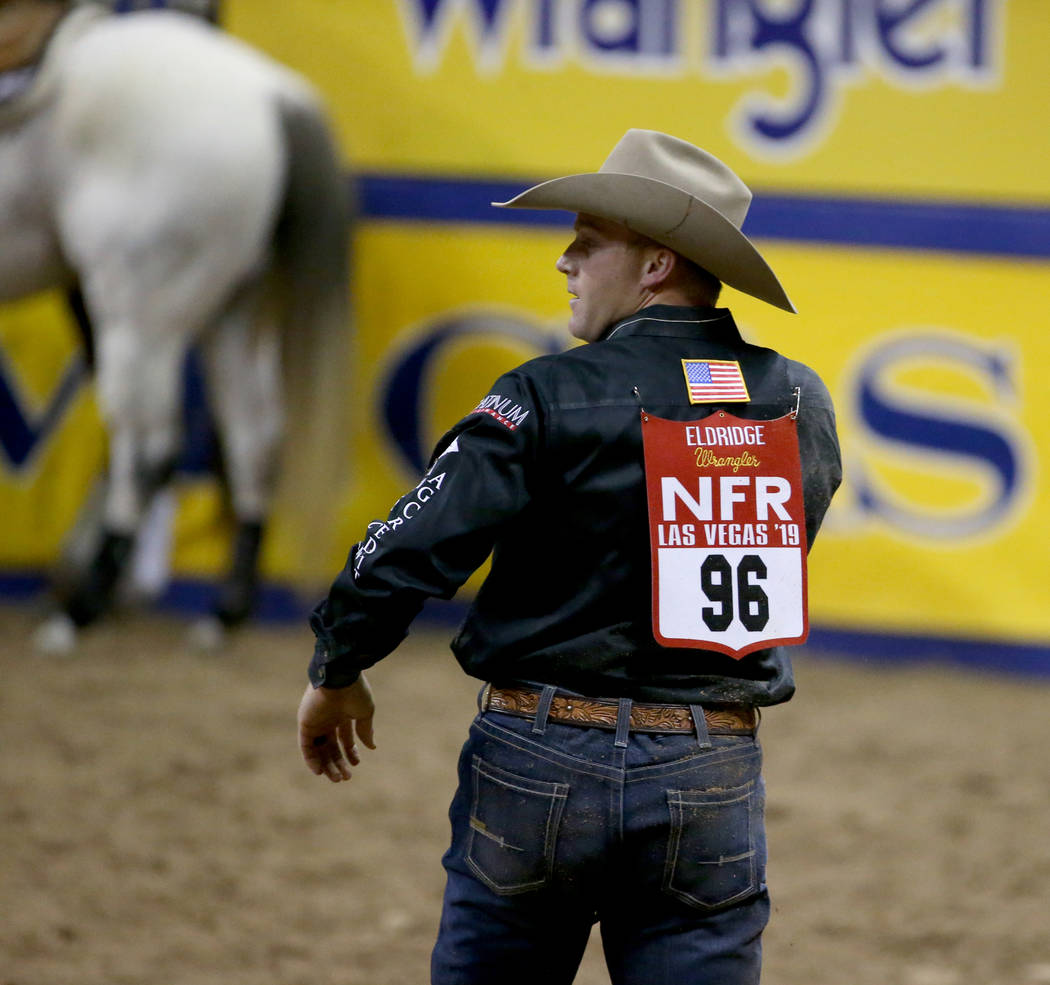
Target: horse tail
[{"x": 312, "y": 252}]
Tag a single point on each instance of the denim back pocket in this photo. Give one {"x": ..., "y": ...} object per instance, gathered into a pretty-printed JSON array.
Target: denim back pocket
[
  {"x": 513, "y": 828},
  {"x": 716, "y": 849}
]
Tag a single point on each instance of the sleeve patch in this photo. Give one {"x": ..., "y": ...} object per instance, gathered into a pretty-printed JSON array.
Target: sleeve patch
[{"x": 502, "y": 409}]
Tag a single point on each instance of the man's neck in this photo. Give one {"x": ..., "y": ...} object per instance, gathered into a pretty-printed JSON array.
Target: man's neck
[{"x": 679, "y": 297}]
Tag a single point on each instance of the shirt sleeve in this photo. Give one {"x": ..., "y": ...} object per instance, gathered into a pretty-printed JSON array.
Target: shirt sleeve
[
  {"x": 435, "y": 536},
  {"x": 819, "y": 452}
]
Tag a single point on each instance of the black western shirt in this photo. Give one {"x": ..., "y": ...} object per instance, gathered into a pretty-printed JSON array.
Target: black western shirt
[{"x": 547, "y": 475}]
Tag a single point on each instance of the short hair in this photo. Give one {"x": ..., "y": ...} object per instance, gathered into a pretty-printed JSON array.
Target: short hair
[{"x": 708, "y": 284}]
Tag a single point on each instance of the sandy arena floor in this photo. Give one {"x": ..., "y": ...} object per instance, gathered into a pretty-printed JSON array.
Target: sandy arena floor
[{"x": 157, "y": 826}]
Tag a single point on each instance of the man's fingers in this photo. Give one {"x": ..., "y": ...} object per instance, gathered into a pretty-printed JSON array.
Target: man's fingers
[
  {"x": 312, "y": 759},
  {"x": 323, "y": 756},
  {"x": 333, "y": 763},
  {"x": 330, "y": 723},
  {"x": 337, "y": 769},
  {"x": 365, "y": 732},
  {"x": 346, "y": 740}
]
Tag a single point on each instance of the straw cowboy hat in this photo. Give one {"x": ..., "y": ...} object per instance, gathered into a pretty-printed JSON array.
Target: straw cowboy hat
[{"x": 676, "y": 194}]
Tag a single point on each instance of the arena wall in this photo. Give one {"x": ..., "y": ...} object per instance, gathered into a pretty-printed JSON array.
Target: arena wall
[{"x": 901, "y": 196}]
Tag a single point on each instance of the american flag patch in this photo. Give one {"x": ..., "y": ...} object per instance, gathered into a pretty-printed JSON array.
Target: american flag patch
[{"x": 712, "y": 381}]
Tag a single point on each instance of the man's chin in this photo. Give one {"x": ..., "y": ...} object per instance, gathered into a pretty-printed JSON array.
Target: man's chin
[{"x": 580, "y": 328}]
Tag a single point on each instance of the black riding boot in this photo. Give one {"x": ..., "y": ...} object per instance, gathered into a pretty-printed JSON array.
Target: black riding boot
[
  {"x": 92, "y": 595},
  {"x": 237, "y": 597}
]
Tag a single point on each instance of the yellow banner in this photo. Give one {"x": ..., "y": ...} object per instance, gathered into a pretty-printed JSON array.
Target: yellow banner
[
  {"x": 935, "y": 97},
  {"x": 939, "y": 525},
  {"x": 934, "y": 363},
  {"x": 900, "y": 199},
  {"x": 51, "y": 443}
]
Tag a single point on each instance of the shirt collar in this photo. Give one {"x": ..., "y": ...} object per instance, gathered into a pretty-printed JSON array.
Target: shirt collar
[{"x": 676, "y": 322}]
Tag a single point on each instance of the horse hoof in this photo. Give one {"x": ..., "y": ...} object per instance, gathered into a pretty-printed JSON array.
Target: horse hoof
[
  {"x": 56, "y": 636},
  {"x": 207, "y": 634}
]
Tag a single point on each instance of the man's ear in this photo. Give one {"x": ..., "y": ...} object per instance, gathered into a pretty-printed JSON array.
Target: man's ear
[{"x": 659, "y": 264}]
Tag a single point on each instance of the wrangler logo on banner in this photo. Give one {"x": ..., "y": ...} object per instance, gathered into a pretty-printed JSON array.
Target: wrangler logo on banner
[
  {"x": 824, "y": 47},
  {"x": 728, "y": 532}
]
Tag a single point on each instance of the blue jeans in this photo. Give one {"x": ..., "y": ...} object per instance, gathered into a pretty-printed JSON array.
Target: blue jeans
[{"x": 658, "y": 837}]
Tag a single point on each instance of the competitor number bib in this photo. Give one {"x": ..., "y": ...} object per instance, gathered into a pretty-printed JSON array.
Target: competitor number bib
[{"x": 728, "y": 532}]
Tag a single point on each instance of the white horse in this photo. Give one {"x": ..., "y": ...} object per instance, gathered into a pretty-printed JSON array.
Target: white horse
[{"x": 191, "y": 187}]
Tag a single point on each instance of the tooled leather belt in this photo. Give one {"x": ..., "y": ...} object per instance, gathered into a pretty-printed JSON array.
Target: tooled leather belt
[{"x": 599, "y": 713}]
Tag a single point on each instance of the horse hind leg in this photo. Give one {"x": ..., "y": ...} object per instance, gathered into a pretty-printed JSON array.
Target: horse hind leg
[
  {"x": 92, "y": 594},
  {"x": 242, "y": 366},
  {"x": 239, "y": 592},
  {"x": 138, "y": 387}
]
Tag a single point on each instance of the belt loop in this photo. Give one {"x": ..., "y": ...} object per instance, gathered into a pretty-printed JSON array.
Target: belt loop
[
  {"x": 539, "y": 723},
  {"x": 623, "y": 722},
  {"x": 700, "y": 724}
]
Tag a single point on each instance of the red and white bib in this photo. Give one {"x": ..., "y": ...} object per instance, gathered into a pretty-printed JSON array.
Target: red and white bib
[{"x": 727, "y": 529}]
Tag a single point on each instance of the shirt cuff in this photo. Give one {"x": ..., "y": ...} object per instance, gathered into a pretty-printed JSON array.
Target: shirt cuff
[{"x": 326, "y": 672}]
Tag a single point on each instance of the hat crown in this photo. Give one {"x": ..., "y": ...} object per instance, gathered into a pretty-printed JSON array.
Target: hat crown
[
  {"x": 677, "y": 195},
  {"x": 661, "y": 157}
]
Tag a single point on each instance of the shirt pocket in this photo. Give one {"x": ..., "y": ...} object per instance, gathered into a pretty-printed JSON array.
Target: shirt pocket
[
  {"x": 514, "y": 824},
  {"x": 716, "y": 848}
]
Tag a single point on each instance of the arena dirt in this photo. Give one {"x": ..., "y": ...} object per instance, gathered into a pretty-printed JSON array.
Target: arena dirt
[{"x": 158, "y": 826}]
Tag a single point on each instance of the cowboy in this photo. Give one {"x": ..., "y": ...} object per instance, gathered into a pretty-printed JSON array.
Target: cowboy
[{"x": 648, "y": 500}]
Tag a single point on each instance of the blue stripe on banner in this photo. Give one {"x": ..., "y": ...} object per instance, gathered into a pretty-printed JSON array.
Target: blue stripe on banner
[
  {"x": 280, "y": 605},
  {"x": 997, "y": 230},
  {"x": 185, "y": 596},
  {"x": 1027, "y": 659}
]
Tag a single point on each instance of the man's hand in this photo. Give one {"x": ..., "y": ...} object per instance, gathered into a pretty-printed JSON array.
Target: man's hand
[{"x": 328, "y": 721}]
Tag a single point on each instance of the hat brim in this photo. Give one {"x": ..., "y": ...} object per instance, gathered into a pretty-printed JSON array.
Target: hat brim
[{"x": 668, "y": 215}]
